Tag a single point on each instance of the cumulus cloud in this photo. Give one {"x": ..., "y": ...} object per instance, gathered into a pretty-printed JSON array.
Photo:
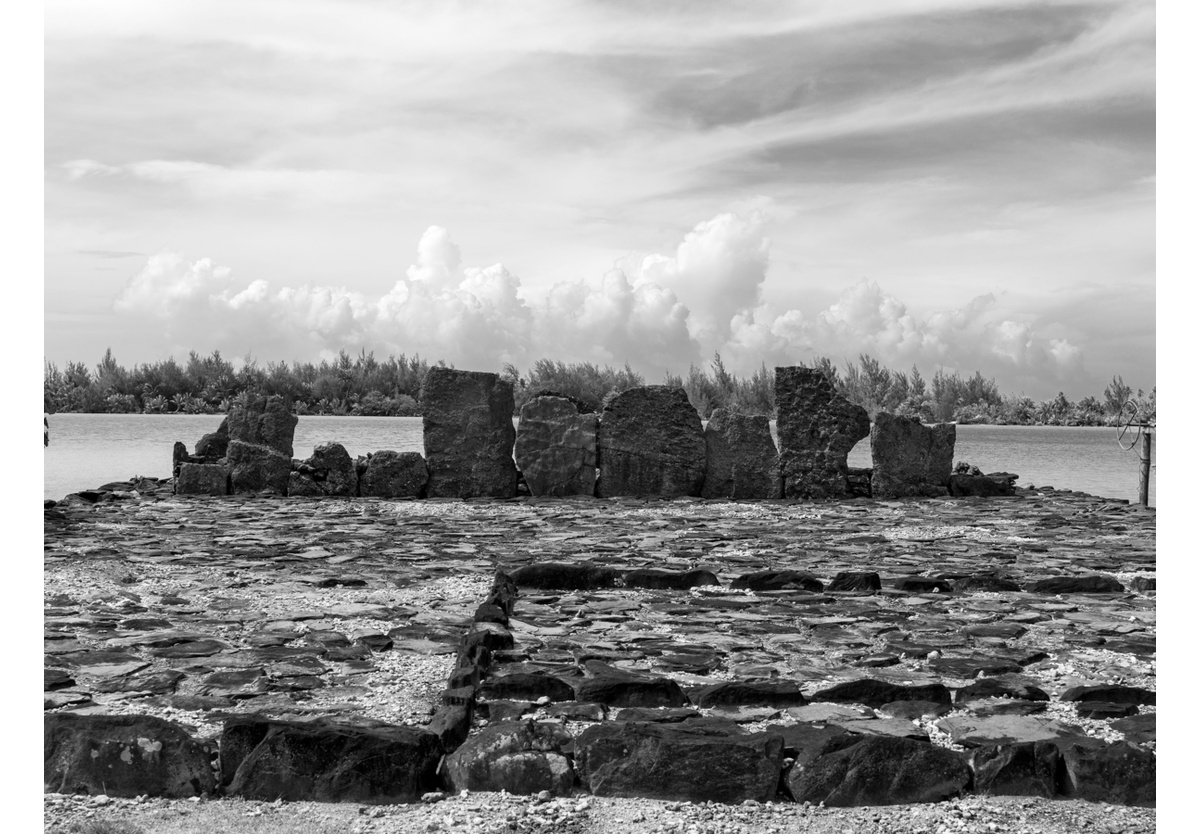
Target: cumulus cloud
[{"x": 664, "y": 313}]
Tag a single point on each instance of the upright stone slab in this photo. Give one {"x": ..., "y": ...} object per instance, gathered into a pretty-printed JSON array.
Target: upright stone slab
[
  {"x": 202, "y": 479},
  {"x": 910, "y": 459},
  {"x": 817, "y": 429},
  {"x": 469, "y": 434},
  {"x": 742, "y": 461},
  {"x": 261, "y": 430},
  {"x": 650, "y": 443},
  {"x": 556, "y": 447}
]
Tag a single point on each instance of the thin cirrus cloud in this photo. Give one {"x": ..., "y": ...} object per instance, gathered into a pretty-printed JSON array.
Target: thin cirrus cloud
[{"x": 966, "y": 184}]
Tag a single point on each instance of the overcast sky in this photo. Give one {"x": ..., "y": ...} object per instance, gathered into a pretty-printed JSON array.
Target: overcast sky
[{"x": 967, "y": 185}]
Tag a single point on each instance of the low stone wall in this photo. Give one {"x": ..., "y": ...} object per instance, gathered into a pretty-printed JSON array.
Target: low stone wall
[{"x": 648, "y": 441}]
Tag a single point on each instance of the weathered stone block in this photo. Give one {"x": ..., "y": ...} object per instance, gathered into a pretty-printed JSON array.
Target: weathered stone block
[
  {"x": 650, "y": 443},
  {"x": 817, "y": 429},
  {"x": 556, "y": 447},
  {"x": 741, "y": 459},
  {"x": 389, "y": 474},
  {"x": 213, "y": 446},
  {"x": 678, "y": 762},
  {"x": 263, "y": 421},
  {"x": 253, "y": 468},
  {"x": 881, "y": 770},
  {"x": 521, "y": 757},
  {"x": 123, "y": 755},
  {"x": 331, "y": 468},
  {"x": 469, "y": 434},
  {"x": 910, "y": 459},
  {"x": 321, "y": 761},
  {"x": 202, "y": 479}
]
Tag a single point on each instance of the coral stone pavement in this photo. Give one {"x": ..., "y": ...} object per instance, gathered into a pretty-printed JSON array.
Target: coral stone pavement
[{"x": 998, "y": 645}]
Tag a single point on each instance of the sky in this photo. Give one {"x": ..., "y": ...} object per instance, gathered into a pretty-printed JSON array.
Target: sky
[{"x": 959, "y": 185}]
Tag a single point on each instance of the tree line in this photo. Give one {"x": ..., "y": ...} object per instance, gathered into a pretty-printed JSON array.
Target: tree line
[{"x": 365, "y": 386}]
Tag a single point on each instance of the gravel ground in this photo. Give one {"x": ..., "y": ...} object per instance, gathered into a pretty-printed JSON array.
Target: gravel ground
[{"x": 484, "y": 813}]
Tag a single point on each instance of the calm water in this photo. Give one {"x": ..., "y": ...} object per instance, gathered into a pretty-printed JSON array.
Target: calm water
[{"x": 87, "y": 450}]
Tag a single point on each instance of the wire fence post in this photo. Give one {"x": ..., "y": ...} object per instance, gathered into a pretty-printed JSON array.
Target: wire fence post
[{"x": 1144, "y": 483}]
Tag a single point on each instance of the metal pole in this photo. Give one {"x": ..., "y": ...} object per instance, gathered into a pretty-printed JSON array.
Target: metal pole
[{"x": 1144, "y": 482}]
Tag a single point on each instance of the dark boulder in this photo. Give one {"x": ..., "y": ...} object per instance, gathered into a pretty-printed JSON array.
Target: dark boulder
[
  {"x": 202, "y": 479},
  {"x": 855, "y": 581},
  {"x": 1120, "y": 773},
  {"x": 331, "y": 468},
  {"x": 262, "y": 421},
  {"x": 1002, "y": 686},
  {"x": 529, "y": 686},
  {"x": 742, "y": 461},
  {"x": 1110, "y": 693},
  {"x": 984, "y": 582},
  {"x": 982, "y": 486},
  {"x": 469, "y": 434},
  {"x": 881, "y": 770},
  {"x": 123, "y": 755},
  {"x": 668, "y": 580},
  {"x": 320, "y": 761},
  {"x": 1028, "y": 769},
  {"x": 1095, "y": 584},
  {"x": 778, "y": 580},
  {"x": 301, "y": 485},
  {"x": 817, "y": 429},
  {"x": 254, "y": 468},
  {"x": 683, "y": 762},
  {"x": 650, "y": 443},
  {"x": 389, "y": 474},
  {"x": 521, "y": 757},
  {"x": 213, "y": 446},
  {"x": 749, "y": 693},
  {"x": 557, "y": 575},
  {"x": 617, "y": 688},
  {"x": 923, "y": 585},
  {"x": 876, "y": 693},
  {"x": 908, "y": 458},
  {"x": 556, "y": 447}
]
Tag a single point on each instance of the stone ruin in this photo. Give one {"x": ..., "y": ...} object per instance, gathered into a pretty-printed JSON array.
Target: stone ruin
[
  {"x": 646, "y": 442},
  {"x": 817, "y": 429}
]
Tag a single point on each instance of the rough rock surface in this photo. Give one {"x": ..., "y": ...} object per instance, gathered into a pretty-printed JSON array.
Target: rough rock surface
[
  {"x": 908, "y": 458},
  {"x": 261, "y": 430},
  {"x": 521, "y": 757},
  {"x": 262, "y": 421},
  {"x": 675, "y": 761},
  {"x": 202, "y": 479},
  {"x": 650, "y": 442},
  {"x": 742, "y": 461},
  {"x": 331, "y": 468},
  {"x": 389, "y": 474},
  {"x": 817, "y": 429},
  {"x": 213, "y": 446},
  {"x": 327, "y": 762},
  {"x": 556, "y": 447},
  {"x": 123, "y": 755},
  {"x": 469, "y": 434},
  {"x": 878, "y": 770},
  {"x": 196, "y": 610},
  {"x": 254, "y": 468}
]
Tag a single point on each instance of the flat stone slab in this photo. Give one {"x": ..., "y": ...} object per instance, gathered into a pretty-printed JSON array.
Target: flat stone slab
[{"x": 300, "y": 600}]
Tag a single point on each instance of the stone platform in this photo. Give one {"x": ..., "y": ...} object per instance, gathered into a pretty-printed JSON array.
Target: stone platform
[{"x": 1011, "y": 640}]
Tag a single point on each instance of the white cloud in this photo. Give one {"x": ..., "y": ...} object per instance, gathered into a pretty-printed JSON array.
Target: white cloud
[{"x": 478, "y": 317}]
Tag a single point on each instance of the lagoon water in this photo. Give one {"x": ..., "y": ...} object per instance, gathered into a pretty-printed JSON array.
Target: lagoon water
[{"x": 88, "y": 450}]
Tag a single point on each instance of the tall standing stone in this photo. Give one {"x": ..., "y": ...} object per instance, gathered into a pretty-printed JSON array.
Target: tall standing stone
[
  {"x": 556, "y": 447},
  {"x": 650, "y": 443},
  {"x": 261, "y": 430},
  {"x": 469, "y": 434},
  {"x": 910, "y": 459},
  {"x": 817, "y": 429},
  {"x": 741, "y": 458}
]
